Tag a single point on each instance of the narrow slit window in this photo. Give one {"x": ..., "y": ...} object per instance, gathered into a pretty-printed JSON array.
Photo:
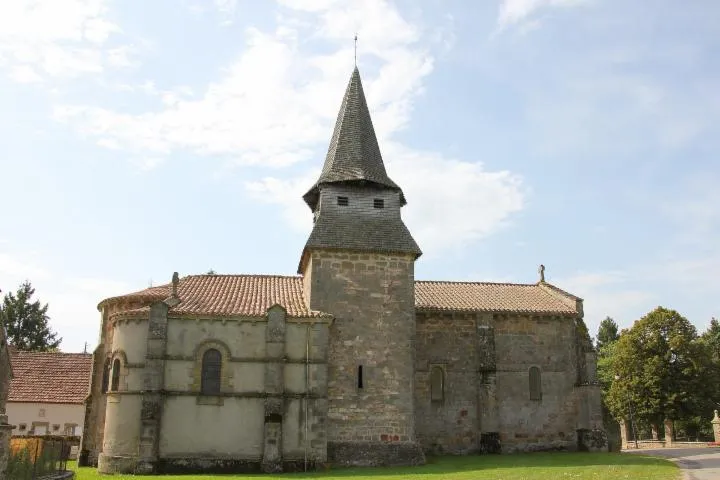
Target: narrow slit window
[
  {"x": 360, "y": 376},
  {"x": 535, "y": 384},
  {"x": 115, "y": 382},
  {"x": 343, "y": 201},
  {"x": 437, "y": 384},
  {"x": 379, "y": 203}
]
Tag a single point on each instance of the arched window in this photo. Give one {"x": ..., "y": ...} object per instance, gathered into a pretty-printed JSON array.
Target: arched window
[
  {"x": 211, "y": 368},
  {"x": 437, "y": 384},
  {"x": 115, "y": 383},
  {"x": 106, "y": 376},
  {"x": 535, "y": 384}
]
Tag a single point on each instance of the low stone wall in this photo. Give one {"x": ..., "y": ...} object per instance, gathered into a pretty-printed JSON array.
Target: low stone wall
[{"x": 653, "y": 444}]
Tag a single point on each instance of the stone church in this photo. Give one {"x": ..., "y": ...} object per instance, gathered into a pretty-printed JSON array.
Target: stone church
[{"x": 351, "y": 362}]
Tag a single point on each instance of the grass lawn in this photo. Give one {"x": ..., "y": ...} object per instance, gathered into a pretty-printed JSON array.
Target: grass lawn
[{"x": 531, "y": 466}]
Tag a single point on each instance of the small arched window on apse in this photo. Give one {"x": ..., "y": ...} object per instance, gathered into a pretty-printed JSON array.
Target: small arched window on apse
[
  {"x": 211, "y": 372},
  {"x": 106, "y": 376},
  {"x": 115, "y": 382},
  {"x": 535, "y": 383},
  {"x": 437, "y": 384}
]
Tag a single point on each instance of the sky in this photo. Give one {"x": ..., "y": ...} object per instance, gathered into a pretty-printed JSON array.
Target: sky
[{"x": 142, "y": 138}]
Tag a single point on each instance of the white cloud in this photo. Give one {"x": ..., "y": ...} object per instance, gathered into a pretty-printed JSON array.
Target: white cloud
[
  {"x": 24, "y": 74},
  {"x": 514, "y": 12},
  {"x": 227, "y": 9},
  {"x": 276, "y": 105},
  {"x": 468, "y": 204},
  {"x": 56, "y": 38}
]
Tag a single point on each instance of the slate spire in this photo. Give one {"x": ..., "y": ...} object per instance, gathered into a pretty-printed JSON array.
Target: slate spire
[{"x": 354, "y": 154}]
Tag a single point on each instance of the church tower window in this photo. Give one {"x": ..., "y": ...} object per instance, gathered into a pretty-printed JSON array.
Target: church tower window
[
  {"x": 115, "y": 382},
  {"x": 535, "y": 384},
  {"x": 379, "y": 203},
  {"x": 211, "y": 370},
  {"x": 360, "y": 377},
  {"x": 343, "y": 201}
]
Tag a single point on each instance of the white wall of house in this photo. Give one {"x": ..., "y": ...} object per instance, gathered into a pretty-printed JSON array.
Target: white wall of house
[{"x": 46, "y": 418}]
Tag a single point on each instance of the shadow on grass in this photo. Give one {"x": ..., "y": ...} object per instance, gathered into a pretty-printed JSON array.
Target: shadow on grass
[
  {"x": 547, "y": 465},
  {"x": 456, "y": 464}
]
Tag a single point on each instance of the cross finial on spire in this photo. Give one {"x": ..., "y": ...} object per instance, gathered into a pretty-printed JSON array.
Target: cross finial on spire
[{"x": 356, "y": 49}]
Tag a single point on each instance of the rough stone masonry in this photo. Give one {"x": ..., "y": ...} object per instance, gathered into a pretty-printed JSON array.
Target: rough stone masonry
[
  {"x": 351, "y": 362},
  {"x": 5, "y": 376}
]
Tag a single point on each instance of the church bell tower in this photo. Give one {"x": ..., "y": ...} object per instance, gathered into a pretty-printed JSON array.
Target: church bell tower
[{"x": 358, "y": 265}]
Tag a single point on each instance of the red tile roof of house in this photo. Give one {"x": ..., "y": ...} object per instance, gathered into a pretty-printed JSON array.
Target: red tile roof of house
[
  {"x": 252, "y": 295},
  {"x": 50, "y": 377}
]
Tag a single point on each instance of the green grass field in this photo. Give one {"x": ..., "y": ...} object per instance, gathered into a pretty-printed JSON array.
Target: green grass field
[{"x": 532, "y": 466}]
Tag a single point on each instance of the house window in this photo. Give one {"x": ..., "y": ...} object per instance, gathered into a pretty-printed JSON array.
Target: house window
[
  {"x": 535, "y": 384},
  {"x": 437, "y": 384},
  {"x": 22, "y": 427},
  {"x": 41, "y": 413},
  {"x": 115, "y": 382},
  {"x": 70, "y": 429},
  {"x": 56, "y": 427},
  {"x": 343, "y": 201},
  {"x": 360, "y": 377},
  {"x": 211, "y": 370},
  {"x": 379, "y": 203}
]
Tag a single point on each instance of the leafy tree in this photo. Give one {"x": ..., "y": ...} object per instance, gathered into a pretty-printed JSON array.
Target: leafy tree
[
  {"x": 26, "y": 321},
  {"x": 711, "y": 337},
  {"x": 607, "y": 333},
  {"x": 664, "y": 370},
  {"x": 606, "y": 365}
]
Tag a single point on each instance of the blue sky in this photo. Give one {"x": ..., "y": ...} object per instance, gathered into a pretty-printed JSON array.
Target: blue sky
[{"x": 142, "y": 138}]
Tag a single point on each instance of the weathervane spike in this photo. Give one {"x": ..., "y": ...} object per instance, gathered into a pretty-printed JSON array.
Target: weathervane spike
[{"x": 356, "y": 49}]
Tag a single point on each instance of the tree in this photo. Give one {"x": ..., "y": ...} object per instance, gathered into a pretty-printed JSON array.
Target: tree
[
  {"x": 26, "y": 321},
  {"x": 607, "y": 333},
  {"x": 711, "y": 337},
  {"x": 664, "y": 370}
]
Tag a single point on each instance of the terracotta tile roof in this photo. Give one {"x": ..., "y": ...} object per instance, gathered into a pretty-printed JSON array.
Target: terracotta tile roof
[
  {"x": 252, "y": 295},
  {"x": 50, "y": 377},
  {"x": 227, "y": 295},
  {"x": 487, "y": 297}
]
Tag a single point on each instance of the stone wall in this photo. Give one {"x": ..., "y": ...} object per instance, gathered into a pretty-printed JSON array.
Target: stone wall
[
  {"x": 95, "y": 403},
  {"x": 548, "y": 343},
  {"x": 448, "y": 421},
  {"x": 269, "y": 414},
  {"x": 486, "y": 403},
  {"x": 371, "y": 355},
  {"x": 5, "y": 370},
  {"x": 5, "y": 427}
]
